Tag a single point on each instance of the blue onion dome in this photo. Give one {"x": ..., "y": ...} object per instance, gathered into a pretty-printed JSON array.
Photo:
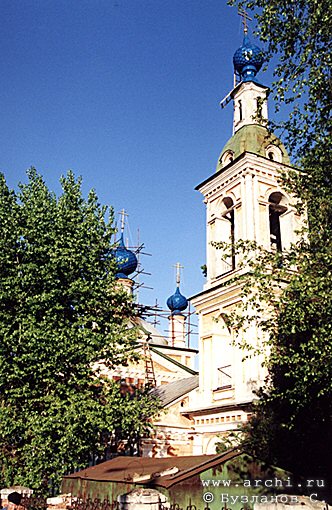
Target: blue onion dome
[
  {"x": 126, "y": 260},
  {"x": 248, "y": 60},
  {"x": 177, "y": 303}
]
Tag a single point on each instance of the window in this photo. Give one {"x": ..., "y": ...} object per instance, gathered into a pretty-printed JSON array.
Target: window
[
  {"x": 227, "y": 158},
  {"x": 225, "y": 377},
  {"x": 240, "y": 110},
  {"x": 273, "y": 153},
  {"x": 259, "y": 108}
]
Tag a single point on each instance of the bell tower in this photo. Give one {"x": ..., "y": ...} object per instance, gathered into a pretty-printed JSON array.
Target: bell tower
[{"x": 244, "y": 201}]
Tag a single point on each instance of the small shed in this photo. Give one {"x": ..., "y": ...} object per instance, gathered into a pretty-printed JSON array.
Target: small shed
[{"x": 191, "y": 480}]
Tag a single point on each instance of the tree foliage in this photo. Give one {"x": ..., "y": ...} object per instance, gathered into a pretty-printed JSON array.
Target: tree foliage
[
  {"x": 292, "y": 426},
  {"x": 61, "y": 312}
]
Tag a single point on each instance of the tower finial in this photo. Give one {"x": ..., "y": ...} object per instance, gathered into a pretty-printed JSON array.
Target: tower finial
[
  {"x": 248, "y": 59},
  {"x": 178, "y": 268},
  {"x": 177, "y": 302},
  {"x": 126, "y": 259},
  {"x": 245, "y": 18},
  {"x": 123, "y": 215}
]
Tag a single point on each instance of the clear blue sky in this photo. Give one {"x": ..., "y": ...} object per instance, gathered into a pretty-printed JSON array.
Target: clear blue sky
[{"x": 125, "y": 93}]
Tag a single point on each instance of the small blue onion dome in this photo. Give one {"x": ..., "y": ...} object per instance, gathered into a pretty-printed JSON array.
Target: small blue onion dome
[
  {"x": 248, "y": 60},
  {"x": 177, "y": 303},
  {"x": 126, "y": 260}
]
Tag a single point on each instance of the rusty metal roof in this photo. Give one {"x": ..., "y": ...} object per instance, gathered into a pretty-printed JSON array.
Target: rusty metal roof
[{"x": 156, "y": 472}]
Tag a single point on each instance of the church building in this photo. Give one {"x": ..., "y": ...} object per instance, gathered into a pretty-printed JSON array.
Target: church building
[
  {"x": 244, "y": 201},
  {"x": 166, "y": 364}
]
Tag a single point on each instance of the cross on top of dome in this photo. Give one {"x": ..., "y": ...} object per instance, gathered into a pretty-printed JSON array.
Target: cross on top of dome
[
  {"x": 126, "y": 259},
  {"x": 248, "y": 59},
  {"x": 177, "y": 303}
]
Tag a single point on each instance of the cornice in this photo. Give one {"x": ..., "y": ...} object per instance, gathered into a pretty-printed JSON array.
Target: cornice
[
  {"x": 219, "y": 290},
  {"x": 246, "y": 163},
  {"x": 244, "y": 406}
]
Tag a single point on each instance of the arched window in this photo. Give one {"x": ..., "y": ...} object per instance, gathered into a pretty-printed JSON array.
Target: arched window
[
  {"x": 227, "y": 158},
  {"x": 273, "y": 153},
  {"x": 277, "y": 207}
]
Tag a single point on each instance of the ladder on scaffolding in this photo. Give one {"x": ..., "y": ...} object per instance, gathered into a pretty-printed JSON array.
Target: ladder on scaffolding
[{"x": 150, "y": 378}]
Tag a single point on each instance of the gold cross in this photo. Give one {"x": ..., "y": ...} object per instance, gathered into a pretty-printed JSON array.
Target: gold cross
[
  {"x": 178, "y": 268},
  {"x": 123, "y": 215},
  {"x": 245, "y": 17}
]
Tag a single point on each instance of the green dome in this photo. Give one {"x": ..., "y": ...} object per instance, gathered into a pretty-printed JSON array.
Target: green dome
[{"x": 256, "y": 139}]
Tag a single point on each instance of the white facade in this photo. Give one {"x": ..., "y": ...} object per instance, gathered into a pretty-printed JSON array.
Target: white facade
[
  {"x": 250, "y": 105},
  {"x": 243, "y": 201}
]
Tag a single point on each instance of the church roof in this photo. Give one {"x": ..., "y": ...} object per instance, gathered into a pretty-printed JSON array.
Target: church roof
[
  {"x": 148, "y": 329},
  {"x": 172, "y": 360},
  {"x": 252, "y": 138},
  {"x": 247, "y": 60},
  {"x": 168, "y": 393},
  {"x": 126, "y": 260},
  {"x": 177, "y": 303}
]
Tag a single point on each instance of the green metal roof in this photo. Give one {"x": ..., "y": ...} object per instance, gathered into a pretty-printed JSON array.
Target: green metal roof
[
  {"x": 255, "y": 139},
  {"x": 174, "y": 361}
]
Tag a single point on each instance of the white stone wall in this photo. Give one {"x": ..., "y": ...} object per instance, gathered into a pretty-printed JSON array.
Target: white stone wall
[
  {"x": 245, "y": 99},
  {"x": 248, "y": 185}
]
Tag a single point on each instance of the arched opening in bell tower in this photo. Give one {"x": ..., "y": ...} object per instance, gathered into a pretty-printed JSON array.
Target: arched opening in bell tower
[
  {"x": 229, "y": 225},
  {"x": 277, "y": 207}
]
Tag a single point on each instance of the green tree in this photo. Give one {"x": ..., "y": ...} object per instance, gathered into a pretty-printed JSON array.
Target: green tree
[
  {"x": 61, "y": 313},
  {"x": 292, "y": 426}
]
